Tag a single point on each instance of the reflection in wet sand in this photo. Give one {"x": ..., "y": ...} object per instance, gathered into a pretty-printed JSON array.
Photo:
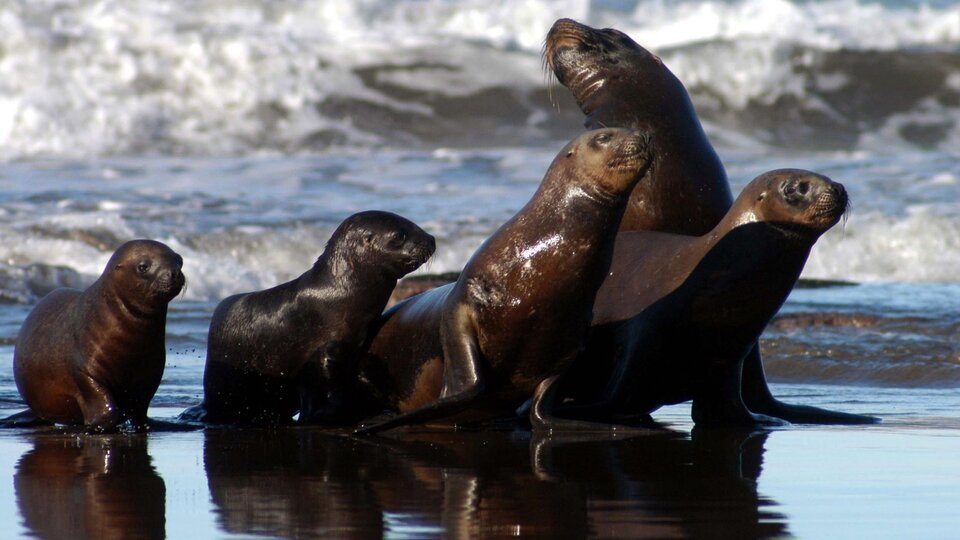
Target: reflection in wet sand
[
  {"x": 309, "y": 483},
  {"x": 669, "y": 487},
  {"x": 90, "y": 486}
]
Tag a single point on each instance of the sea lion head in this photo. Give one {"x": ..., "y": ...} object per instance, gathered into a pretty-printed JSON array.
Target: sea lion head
[
  {"x": 146, "y": 274},
  {"x": 600, "y": 66},
  {"x": 606, "y": 163},
  {"x": 377, "y": 239},
  {"x": 794, "y": 198}
]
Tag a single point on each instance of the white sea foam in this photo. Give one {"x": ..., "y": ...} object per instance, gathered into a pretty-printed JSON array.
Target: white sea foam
[
  {"x": 829, "y": 24},
  {"x": 85, "y": 78},
  {"x": 922, "y": 246}
]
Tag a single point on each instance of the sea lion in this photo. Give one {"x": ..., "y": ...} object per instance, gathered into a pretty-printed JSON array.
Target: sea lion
[
  {"x": 96, "y": 357},
  {"x": 618, "y": 83},
  {"x": 677, "y": 315},
  {"x": 295, "y": 347},
  {"x": 518, "y": 312}
]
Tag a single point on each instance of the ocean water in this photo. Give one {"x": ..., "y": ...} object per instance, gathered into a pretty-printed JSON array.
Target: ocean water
[{"x": 241, "y": 133}]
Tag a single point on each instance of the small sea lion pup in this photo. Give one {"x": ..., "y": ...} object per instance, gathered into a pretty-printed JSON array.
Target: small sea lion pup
[
  {"x": 618, "y": 83},
  {"x": 677, "y": 314},
  {"x": 96, "y": 357},
  {"x": 518, "y": 313},
  {"x": 295, "y": 347}
]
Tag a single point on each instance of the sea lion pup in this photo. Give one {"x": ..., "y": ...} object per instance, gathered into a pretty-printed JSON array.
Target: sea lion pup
[
  {"x": 295, "y": 347},
  {"x": 618, "y": 83},
  {"x": 519, "y": 311},
  {"x": 677, "y": 315},
  {"x": 95, "y": 357}
]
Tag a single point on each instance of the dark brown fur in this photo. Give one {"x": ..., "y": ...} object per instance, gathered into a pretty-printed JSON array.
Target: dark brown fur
[
  {"x": 96, "y": 357},
  {"x": 296, "y": 347},
  {"x": 677, "y": 315},
  {"x": 618, "y": 83},
  {"x": 518, "y": 312}
]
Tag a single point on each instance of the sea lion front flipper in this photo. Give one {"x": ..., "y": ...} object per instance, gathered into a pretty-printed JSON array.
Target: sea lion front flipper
[
  {"x": 462, "y": 375},
  {"x": 719, "y": 404},
  {"x": 323, "y": 386},
  {"x": 100, "y": 412},
  {"x": 758, "y": 398}
]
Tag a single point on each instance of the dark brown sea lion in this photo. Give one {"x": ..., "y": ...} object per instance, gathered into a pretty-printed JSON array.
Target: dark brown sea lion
[
  {"x": 617, "y": 82},
  {"x": 296, "y": 347},
  {"x": 677, "y": 315},
  {"x": 96, "y": 357},
  {"x": 519, "y": 311}
]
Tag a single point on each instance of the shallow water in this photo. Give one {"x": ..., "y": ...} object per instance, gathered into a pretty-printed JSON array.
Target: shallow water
[{"x": 894, "y": 480}]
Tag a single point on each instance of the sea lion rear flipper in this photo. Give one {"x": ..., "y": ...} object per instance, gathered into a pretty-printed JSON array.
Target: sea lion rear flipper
[
  {"x": 758, "y": 398},
  {"x": 543, "y": 419},
  {"x": 23, "y": 419}
]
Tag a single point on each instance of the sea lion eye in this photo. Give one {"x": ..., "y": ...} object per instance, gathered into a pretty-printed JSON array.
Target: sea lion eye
[
  {"x": 143, "y": 266},
  {"x": 398, "y": 238},
  {"x": 602, "y": 139}
]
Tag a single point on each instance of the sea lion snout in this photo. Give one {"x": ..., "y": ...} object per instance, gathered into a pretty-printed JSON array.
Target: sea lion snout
[
  {"x": 832, "y": 201},
  {"x": 564, "y": 35},
  {"x": 170, "y": 280},
  {"x": 634, "y": 152},
  {"x": 420, "y": 250}
]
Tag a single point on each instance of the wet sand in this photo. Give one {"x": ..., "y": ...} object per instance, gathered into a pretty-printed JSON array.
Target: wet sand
[{"x": 895, "y": 480}]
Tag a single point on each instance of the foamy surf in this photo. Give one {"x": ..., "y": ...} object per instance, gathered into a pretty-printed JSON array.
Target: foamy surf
[{"x": 92, "y": 78}]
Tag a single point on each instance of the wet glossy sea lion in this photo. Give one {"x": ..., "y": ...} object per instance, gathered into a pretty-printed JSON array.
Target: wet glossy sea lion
[
  {"x": 296, "y": 347},
  {"x": 617, "y": 82},
  {"x": 677, "y": 315},
  {"x": 519, "y": 311},
  {"x": 96, "y": 357}
]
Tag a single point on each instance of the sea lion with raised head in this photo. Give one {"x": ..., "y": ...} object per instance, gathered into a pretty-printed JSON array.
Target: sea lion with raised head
[
  {"x": 518, "y": 313},
  {"x": 677, "y": 315},
  {"x": 95, "y": 357},
  {"x": 616, "y": 82},
  {"x": 296, "y": 347}
]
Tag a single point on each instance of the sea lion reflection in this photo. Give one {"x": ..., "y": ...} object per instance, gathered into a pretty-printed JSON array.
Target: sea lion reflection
[
  {"x": 100, "y": 487},
  {"x": 491, "y": 483}
]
